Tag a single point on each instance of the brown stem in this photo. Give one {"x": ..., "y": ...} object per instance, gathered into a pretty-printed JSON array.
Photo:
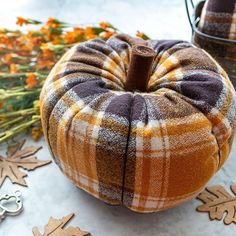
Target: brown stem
[{"x": 139, "y": 68}]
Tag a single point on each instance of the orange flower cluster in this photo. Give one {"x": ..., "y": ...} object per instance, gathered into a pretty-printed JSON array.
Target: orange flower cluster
[
  {"x": 38, "y": 50},
  {"x": 26, "y": 58},
  {"x": 31, "y": 80},
  {"x": 23, "y": 21}
]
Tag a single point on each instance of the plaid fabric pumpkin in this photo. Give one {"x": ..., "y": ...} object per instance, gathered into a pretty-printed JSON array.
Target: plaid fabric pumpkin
[
  {"x": 219, "y": 18},
  {"x": 145, "y": 150}
]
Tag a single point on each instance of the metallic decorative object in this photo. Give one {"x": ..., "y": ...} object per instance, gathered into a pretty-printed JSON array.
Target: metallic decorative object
[{"x": 7, "y": 209}]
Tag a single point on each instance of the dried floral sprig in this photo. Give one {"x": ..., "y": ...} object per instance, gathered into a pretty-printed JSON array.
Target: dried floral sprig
[{"x": 26, "y": 58}]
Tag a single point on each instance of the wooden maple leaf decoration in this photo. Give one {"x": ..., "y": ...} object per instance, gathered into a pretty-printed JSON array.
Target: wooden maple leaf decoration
[
  {"x": 218, "y": 201},
  {"x": 19, "y": 157},
  {"x": 56, "y": 228}
]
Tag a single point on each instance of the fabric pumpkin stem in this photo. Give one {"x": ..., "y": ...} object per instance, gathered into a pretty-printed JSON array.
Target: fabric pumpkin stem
[{"x": 140, "y": 68}]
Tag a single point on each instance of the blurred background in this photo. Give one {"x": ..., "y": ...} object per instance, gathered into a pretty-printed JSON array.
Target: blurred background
[{"x": 156, "y": 18}]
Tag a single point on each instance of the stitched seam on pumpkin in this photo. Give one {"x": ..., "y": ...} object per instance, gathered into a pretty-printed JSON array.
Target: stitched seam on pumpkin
[{"x": 126, "y": 149}]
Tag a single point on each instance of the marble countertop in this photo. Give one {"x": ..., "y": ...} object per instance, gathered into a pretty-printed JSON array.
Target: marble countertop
[{"x": 50, "y": 193}]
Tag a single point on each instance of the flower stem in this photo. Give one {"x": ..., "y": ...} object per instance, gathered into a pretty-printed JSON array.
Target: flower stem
[
  {"x": 18, "y": 129},
  {"x": 24, "y": 112},
  {"x": 6, "y": 95},
  {"x": 6, "y": 124}
]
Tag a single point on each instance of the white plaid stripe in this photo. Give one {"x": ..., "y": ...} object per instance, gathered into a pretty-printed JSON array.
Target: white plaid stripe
[
  {"x": 232, "y": 32},
  {"x": 167, "y": 161},
  {"x": 153, "y": 204}
]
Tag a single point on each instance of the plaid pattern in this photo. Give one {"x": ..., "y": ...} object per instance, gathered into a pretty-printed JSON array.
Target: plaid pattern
[
  {"x": 218, "y": 18},
  {"x": 148, "y": 151}
]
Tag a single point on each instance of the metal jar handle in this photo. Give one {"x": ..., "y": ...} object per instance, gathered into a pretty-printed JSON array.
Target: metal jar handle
[{"x": 188, "y": 4}]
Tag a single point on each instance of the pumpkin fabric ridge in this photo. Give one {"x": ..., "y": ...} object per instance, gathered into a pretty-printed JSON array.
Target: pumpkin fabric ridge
[{"x": 148, "y": 151}]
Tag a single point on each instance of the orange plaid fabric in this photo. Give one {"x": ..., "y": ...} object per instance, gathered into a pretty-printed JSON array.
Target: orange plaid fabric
[{"x": 148, "y": 151}]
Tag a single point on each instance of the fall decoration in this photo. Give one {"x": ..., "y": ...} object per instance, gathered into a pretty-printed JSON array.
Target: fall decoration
[
  {"x": 19, "y": 157},
  {"x": 6, "y": 202},
  {"x": 142, "y": 123},
  {"x": 213, "y": 27},
  {"x": 219, "y": 203},
  {"x": 217, "y": 18},
  {"x": 56, "y": 228},
  {"x": 26, "y": 58}
]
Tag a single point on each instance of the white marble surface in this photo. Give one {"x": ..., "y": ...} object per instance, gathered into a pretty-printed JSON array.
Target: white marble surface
[{"x": 52, "y": 194}]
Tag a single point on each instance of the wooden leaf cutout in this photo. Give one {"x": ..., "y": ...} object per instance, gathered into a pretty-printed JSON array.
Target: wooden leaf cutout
[
  {"x": 56, "y": 228},
  {"x": 12, "y": 149},
  {"x": 19, "y": 157},
  {"x": 217, "y": 202}
]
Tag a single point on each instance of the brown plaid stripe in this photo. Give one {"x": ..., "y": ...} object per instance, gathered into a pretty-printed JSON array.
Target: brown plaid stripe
[{"x": 148, "y": 151}]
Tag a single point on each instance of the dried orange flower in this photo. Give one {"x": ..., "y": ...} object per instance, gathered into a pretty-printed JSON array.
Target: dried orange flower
[
  {"x": 2, "y": 31},
  {"x": 79, "y": 30},
  {"x": 7, "y": 58},
  {"x": 45, "y": 47},
  {"x": 13, "y": 68},
  {"x": 44, "y": 63},
  {"x": 70, "y": 37},
  {"x": 21, "y": 21},
  {"x": 47, "y": 54},
  {"x": 107, "y": 34},
  {"x": 31, "y": 80},
  {"x": 56, "y": 39},
  {"x": 36, "y": 41},
  {"x": 104, "y": 24},
  {"x": 139, "y": 34},
  {"x": 142, "y": 35},
  {"x": 46, "y": 32},
  {"x": 5, "y": 40},
  {"x": 89, "y": 32},
  {"x": 36, "y": 133},
  {"x": 27, "y": 48},
  {"x": 34, "y": 37},
  {"x": 51, "y": 22}
]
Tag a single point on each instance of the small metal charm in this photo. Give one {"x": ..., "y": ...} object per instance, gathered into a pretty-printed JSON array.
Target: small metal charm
[{"x": 4, "y": 210}]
